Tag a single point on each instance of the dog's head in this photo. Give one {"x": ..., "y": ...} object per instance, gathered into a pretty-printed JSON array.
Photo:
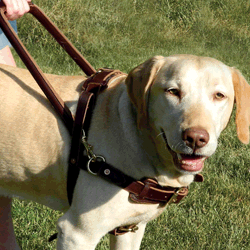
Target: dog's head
[{"x": 186, "y": 101}]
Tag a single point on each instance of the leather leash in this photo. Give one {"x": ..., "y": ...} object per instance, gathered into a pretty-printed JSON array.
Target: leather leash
[{"x": 146, "y": 191}]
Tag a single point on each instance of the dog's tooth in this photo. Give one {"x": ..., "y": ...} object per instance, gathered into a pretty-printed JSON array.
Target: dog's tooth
[{"x": 179, "y": 156}]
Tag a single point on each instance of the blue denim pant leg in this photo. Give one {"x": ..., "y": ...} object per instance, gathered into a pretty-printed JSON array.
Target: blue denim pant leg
[{"x": 3, "y": 39}]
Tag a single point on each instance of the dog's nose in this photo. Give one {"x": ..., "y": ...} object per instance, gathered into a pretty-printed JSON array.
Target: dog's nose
[{"x": 195, "y": 138}]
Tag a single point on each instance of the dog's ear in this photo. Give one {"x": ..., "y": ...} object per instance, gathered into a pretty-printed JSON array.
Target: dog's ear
[
  {"x": 138, "y": 82},
  {"x": 242, "y": 99}
]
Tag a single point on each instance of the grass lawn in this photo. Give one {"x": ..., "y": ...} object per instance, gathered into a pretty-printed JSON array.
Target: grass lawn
[{"x": 122, "y": 34}]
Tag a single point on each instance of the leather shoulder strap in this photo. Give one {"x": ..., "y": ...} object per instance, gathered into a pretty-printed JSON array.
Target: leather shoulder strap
[{"x": 91, "y": 88}]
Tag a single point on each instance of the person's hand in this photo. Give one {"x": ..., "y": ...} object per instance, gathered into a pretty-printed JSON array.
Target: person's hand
[{"x": 16, "y": 8}]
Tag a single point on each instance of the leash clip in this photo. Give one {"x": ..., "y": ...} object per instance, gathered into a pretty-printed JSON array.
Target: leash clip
[
  {"x": 90, "y": 153},
  {"x": 89, "y": 148}
]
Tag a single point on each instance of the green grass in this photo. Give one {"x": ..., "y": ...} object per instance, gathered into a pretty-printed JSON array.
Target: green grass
[{"x": 121, "y": 34}]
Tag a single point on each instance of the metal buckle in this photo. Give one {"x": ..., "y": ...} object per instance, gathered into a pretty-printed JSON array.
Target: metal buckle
[
  {"x": 173, "y": 198},
  {"x": 128, "y": 229}
]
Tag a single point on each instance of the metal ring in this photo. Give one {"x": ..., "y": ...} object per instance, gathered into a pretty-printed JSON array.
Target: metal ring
[{"x": 92, "y": 160}]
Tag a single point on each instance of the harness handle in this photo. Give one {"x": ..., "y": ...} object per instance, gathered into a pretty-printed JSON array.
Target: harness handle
[
  {"x": 62, "y": 40},
  {"x": 32, "y": 66}
]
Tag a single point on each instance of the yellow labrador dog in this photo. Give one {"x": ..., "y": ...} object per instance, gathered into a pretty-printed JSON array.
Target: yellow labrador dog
[{"x": 161, "y": 121}]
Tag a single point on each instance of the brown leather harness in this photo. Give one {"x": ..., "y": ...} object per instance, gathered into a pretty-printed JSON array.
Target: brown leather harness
[{"x": 146, "y": 191}]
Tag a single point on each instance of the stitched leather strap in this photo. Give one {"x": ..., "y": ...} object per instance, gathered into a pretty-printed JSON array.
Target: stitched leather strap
[
  {"x": 91, "y": 88},
  {"x": 101, "y": 78},
  {"x": 149, "y": 191}
]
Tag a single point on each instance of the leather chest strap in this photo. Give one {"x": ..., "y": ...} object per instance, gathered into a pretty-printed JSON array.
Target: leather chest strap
[
  {"x": 91, "y": 88},
  {"x": 146, "y": 191}
]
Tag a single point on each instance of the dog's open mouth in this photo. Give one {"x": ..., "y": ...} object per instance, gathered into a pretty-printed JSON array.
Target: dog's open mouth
[
  {"x": 190, "y": 163},
  {"x": 186, "y": 162}
]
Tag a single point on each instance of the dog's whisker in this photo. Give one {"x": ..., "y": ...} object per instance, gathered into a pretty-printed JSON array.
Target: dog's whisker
[{"x": 160, "y": 134}]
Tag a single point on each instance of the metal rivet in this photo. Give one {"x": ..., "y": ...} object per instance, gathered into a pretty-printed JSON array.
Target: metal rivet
[
  {"x": 73, "y": 161},
  {"x": 106, "y": 171}
]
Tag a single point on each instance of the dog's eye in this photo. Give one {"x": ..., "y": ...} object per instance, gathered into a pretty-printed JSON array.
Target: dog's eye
[
  {"x": 173, "y": 91},
  {"x": 219, "y": 96}
]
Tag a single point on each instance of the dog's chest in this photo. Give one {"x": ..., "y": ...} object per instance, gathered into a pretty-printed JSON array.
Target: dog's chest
[
  {"x": 128, "y": 212},
  {"x": 147, "y": 214}
]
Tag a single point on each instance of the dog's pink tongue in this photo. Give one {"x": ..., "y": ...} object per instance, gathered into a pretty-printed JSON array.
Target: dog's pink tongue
[{"x": 191, "y": 163}]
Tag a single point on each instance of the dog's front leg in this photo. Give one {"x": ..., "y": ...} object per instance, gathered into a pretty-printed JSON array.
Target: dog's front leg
[
  {"x": 72, "y": 235},
  {"x": 128, "y": 241}
]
